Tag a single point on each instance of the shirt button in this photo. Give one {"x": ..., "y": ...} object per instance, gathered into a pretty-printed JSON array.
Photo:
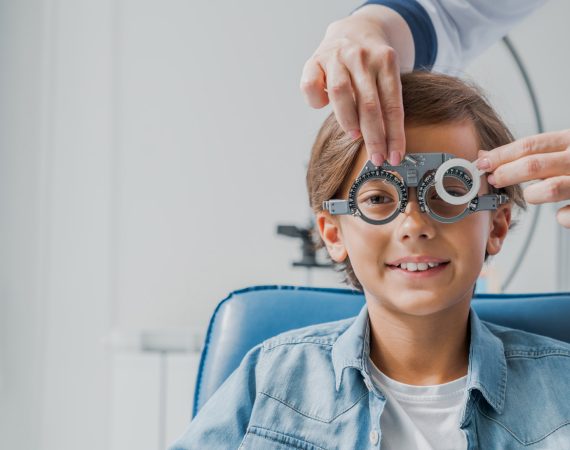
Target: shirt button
[{"x": 374, "y": 437}]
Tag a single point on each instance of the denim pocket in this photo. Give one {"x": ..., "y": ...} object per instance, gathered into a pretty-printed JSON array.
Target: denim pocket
[
  {"x": 536, "y": 410},
  {"x": 539, "y": 421},
  {"x": 258, "y": 438}
]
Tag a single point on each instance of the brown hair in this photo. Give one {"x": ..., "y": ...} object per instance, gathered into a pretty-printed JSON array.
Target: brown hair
[{"x": 429, "y": 99}]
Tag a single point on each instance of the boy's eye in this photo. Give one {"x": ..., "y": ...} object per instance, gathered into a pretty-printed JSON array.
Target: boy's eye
[
  {"x": 376, "y": 199},
  {"x": 455, "y": 187},
  {"x": 452, "y": 187},
  {"x": 453, "y": 192}
]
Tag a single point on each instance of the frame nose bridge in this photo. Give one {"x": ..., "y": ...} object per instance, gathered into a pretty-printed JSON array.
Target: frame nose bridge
[
  {"x": 412, "y": 192},
  {"x": 412, "y": 176},
  {"x": 412, "y": 203}
]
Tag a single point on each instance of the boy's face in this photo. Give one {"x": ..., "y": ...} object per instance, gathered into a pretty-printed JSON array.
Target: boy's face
[{"x": 375, "y": 250}]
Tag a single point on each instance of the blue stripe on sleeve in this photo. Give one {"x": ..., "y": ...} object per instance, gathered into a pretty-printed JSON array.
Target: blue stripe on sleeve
[{"x": 423, "y": 32}]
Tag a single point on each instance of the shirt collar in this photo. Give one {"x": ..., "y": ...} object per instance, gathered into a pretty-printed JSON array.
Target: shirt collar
[
  {"x": 487, "y": 370},
  {"x": 351, "y": 347},
  {"x": 487, "y": 364}
]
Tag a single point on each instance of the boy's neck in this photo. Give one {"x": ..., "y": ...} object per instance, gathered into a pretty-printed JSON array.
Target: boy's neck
[{"x": 420, "y": 350}]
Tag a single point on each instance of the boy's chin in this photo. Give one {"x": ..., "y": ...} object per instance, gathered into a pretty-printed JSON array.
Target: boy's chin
[{"x": 418, "y": 303}]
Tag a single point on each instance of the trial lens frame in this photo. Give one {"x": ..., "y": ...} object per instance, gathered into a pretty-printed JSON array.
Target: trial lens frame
[{"x": 417, "y": 170}]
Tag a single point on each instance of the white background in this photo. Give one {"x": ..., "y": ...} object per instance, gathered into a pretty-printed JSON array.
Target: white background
[{"x": 148, "y": 150}]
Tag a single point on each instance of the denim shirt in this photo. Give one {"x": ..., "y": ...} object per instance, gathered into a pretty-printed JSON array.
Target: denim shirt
[{"x": 311, "y": 389}]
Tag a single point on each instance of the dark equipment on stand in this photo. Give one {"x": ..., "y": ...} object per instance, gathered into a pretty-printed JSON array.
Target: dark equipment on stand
[{"x": 309, "y": 255}]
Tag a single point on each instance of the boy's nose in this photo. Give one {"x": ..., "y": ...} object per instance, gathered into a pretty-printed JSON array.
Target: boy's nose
[{"x": 415, "y": 224}]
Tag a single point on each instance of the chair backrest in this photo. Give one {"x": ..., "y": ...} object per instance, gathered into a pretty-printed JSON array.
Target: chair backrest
[{"x": 249, "y": 316}]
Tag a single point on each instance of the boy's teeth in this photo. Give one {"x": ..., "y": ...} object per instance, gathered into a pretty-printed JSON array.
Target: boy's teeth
[{"x": 414, "y": 267}]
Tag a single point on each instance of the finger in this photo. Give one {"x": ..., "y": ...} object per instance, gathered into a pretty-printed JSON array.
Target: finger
[
  {"x": 540, "y": 143},
  {"x": 553, "y": 190},
  {"x": 563, "y": 216},
  {"x": 368, "y": 108},
  {"x": 370, "y": 118},
  {"x": 341, "y": 95},
  {"x": 532, "y": 167},
  {"x": 313, "y": 84},
  {"x": 392, "y": 107}
]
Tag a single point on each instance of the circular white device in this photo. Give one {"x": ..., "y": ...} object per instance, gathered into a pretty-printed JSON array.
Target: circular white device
[{"x": 469, "y": 167}]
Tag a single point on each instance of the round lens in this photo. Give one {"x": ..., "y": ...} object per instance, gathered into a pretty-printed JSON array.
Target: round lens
[
  {"x": 377, "y": 199},
  {"x": 463, "y": 170},
  {"x": 456, "y": 186}
]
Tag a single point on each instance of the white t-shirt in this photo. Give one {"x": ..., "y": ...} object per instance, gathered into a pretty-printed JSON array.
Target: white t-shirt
[{"x": 421, "y": 417}]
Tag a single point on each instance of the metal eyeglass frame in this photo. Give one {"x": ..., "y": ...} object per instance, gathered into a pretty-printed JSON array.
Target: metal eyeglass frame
[{"x": 418, "y": 170}]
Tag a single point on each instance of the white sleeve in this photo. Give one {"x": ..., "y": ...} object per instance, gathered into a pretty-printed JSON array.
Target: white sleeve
[{"x": 465, "y": 28}]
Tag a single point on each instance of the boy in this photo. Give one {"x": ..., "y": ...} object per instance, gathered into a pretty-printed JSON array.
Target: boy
[{"x": 416, "y": 369}]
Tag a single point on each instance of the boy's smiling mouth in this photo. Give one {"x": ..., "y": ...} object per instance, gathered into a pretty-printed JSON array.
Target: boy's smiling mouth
[{"x": 419, "y": 265}]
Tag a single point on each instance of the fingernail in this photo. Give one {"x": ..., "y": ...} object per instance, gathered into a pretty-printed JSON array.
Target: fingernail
[
  {"x": 483, "y": 164},
  {"x": 377, "y": 159},
  {"x": 354, "y": 134},
  {"x": 491, "y": 179},
  {"x": 394, "y": 158}
]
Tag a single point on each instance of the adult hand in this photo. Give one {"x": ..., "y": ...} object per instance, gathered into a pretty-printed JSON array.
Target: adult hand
[
  {"x": 544, "y": 157},
  {"x": 357, "y": 69}
]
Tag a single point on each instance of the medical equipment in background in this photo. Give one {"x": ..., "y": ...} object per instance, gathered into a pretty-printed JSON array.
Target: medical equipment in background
[
  {"x": 157, "y": 355},
  {"x": 309, "y": 258},
  {"x": 563, "y": 247}
]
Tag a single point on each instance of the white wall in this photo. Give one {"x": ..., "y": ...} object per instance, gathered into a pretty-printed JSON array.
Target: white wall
[
  {"x": 148, "y": 151},
  {"x": 56, "y": 151},
  {"x": 213, "y": 138},
  {"x": 21, "y": 308}
]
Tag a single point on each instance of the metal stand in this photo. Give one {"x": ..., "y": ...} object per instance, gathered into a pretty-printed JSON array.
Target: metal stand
[{"x": 309, "y": 253}]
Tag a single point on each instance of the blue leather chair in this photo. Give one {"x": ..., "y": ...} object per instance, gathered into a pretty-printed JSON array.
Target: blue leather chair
[{"x": 247, "y": 317}]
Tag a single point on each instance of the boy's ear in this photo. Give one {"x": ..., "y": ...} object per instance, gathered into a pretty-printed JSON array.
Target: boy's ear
[
  {"x": 329, "y": 229},
  {"x": 500, "y": 222}
]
